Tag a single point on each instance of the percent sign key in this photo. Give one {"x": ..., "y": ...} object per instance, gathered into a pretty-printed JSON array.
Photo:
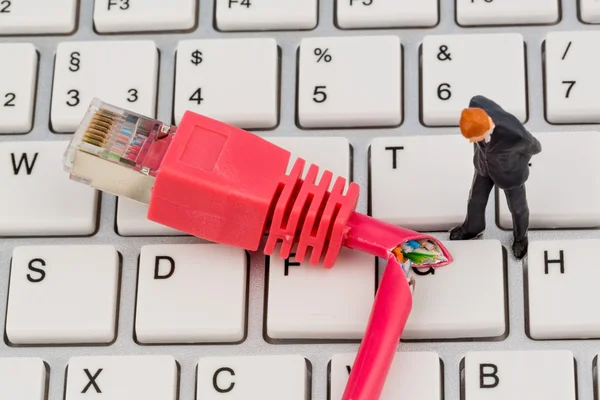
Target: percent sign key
[{"x": 323, "y": 55}]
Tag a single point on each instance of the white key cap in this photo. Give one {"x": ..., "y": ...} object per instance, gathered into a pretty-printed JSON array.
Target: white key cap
[
  {"x": 337, "y": 89},
  {"x": 452, "y": 66},
  {"x": 329, "y": 153},
  {"x": 571, "y": 78},
  {"x": 500, "y": 375},
  {"x": 123, "y": 73},
  {"x": 562, "y": 283},
  {"x": 22, "y": 378},
  {"x": 328, "y": 313},
  {"x": 589, "y": 11},
  {"x": 412, "y": 375},
  {"x": 76, "y": 290},
  {"x": 463, "y": 300},
  {"x": 386, "y": 13},
  {"x": 410, "y": 174},
  {"x": 17, "y": 86},
  {"x": 191, "y": 293},
  {"x": 132, "y": 220},
  {"x": 19, "y": 17},
  {"x": 40, "y": 199},
  {"x": 122, "y": 378},
  {"x": 506, "y": 12},
  {"x": 251, "y": 15},
  {"x": 144, "y": 16},
  {"x": 576, "y": 202},
  {"x": 232, "y": 80},
  {"x": 253, "y": 377}
]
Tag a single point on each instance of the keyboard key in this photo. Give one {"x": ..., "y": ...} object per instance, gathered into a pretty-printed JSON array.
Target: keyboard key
[
  {"x": 386, "y": 13},
  {"x": 589, "y": 11},
  {"x": 132, "y": 220},
  {"x": 40, "y": 199},
  {"x": 191, "y": 293},
  {"x": 329, "y": 153},
  {"x": 497, "y": 375},
  {"x": 329, "y": 312},
  {"x": 24, "y": 17},
  {"x": 571, "y": 77},
  {"x": 350, "y": 82},
  {"x": 77, "y": 290},
  {"x": 576, "y": 202},
  {"x": 122, "y": 378},
  {"x": 23, "y": 378},
  {"x": 144, "y": 16},
  {"x": 256, "y": 15},
  {"x": 123, "y": 73},
  {"x": 562, "y": 277},
  {"x": 17, "y": 86},
  {"x": 232, "y": 80},
  {"x": 412, "y": 375},
  {"x": 507, "y": 12},
  {"x": 451, "y": 70},
  {"x": 438, "y": 165},
  {"x": 253, "y": 377},
  {"x": 463, "y": 300}
]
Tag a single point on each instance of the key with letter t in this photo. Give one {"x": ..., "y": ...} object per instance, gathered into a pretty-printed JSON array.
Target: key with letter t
[{"x": 457, "y": 67}]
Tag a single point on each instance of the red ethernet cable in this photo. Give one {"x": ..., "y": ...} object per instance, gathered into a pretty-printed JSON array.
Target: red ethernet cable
[{"x": 228, "y": 186}]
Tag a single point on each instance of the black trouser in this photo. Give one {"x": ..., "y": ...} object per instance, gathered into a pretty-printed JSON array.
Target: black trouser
[{"x": 478, "y": 199}]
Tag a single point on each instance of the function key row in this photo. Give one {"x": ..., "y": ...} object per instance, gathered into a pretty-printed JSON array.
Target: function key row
[
  {"x": 41, "y": 200},
  {"x": 127, "y": 16},
  {"x": 197, "y": 293},
  {"x": 413, "y": 375},
  {"x": 237, "y": 80}
]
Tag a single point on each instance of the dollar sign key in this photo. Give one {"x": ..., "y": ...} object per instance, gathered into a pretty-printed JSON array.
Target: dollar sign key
[{"x": 196, "y": 57}]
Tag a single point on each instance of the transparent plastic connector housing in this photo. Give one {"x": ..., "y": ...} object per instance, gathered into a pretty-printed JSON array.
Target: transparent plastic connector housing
[{"x": 118, "y": 151}]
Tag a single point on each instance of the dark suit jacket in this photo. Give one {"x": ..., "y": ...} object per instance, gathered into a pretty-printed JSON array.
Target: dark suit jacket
[{"x": 506, "y": 157}]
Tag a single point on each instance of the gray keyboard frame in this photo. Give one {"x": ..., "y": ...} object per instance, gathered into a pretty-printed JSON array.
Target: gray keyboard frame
[{"x": 319, "y": 355}]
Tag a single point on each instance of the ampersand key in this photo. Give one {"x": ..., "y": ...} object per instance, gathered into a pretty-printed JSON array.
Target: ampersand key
[{"x": 443, "y": 55}]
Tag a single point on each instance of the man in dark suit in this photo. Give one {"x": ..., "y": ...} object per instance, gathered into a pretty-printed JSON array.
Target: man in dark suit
[{"x": 503, "y": 149}]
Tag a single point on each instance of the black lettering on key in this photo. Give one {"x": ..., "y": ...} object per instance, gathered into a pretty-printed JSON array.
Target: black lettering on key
[
  {"x": 394, "y": 154},
  {"x": 287, "y": 263},
  {"x": 40, "y": 271},
  {"x": 566, "y": 50},
  {"x": 216, "y": 377},
  {"x": 24, "y": 159},
  {"x": 349, "y": 369},
  {"x": 75, "y": 61},
  {"x": 157, "y": 274},
  {"x": 492, "y": 375},
  {"x": 123, "y": 4},
  {"x": 560, "y": 260},
  {"x": 92, "y": 381},
  {"x": 443, "y": 54},
  {"x": 420, "y": 272}
]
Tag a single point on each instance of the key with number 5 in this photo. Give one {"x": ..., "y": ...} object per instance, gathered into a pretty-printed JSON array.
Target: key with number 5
[
  {"x": 123, "y": 73},
  {"x": 347, "y": 82}
]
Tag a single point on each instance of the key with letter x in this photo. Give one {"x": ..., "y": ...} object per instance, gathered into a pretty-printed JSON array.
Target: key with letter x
[
  {"x": 457, "y": 67},
  {"x": 122, "y": 378},
  {"x": 503, "y": 375}
]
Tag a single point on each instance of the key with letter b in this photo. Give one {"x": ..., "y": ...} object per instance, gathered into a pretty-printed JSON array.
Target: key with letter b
[{"x": 350, "y": 82}]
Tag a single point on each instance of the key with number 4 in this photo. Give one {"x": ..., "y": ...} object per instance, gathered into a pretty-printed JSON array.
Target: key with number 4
[
  {"x": 237, "y": 15},
  {"x": 350, "y": 82},
  {"x": 457, "y": 67},
  {"x": 123, "y": 73},
  {"x": 572, "y": 80}
]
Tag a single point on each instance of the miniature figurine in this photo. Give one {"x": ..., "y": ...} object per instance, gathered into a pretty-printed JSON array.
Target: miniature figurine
[{"x": 503, "y": 149}]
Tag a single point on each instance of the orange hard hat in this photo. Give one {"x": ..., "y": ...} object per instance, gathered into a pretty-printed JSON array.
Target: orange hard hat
[{"x": 474, "y": 122}]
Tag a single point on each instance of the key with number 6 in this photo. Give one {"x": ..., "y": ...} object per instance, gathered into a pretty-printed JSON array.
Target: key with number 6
[
  {"x": 572, "y": 80},
  {"x": 349, "y": 82},
  {"x": 123, "y": 73}
]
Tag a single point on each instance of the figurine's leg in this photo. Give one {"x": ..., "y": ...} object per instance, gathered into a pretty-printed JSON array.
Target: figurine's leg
[
  {"x": 474, "y": 223},
  {"x": 517, "y": 204}
]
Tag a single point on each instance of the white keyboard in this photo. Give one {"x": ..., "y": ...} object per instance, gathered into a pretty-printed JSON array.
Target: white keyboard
[{"x": 98, "y": 302}]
